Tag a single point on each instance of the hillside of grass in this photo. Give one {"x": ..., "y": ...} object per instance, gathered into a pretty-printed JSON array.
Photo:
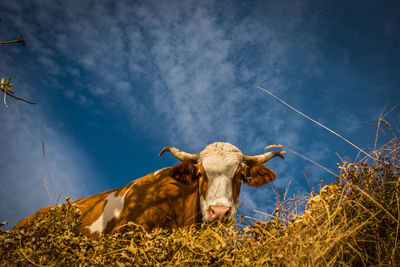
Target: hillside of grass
[{"x": 354, "y": 221}]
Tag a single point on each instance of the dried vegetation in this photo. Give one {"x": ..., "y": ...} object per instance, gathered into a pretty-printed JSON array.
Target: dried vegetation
[{"x": 354, "y": 221}]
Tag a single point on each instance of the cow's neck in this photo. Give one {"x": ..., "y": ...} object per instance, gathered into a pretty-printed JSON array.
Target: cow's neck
[
  {"x": 162, "y": 202},
  {"x": 185, "y": 206}
]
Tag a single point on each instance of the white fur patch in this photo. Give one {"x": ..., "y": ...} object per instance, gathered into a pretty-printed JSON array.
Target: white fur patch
[{"x": 112, "y": 209}]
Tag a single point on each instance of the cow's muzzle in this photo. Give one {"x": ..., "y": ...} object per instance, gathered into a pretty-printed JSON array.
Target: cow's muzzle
[{"x": 218, "y": 212}]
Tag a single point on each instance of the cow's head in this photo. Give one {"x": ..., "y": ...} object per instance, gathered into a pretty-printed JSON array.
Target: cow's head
[{"x": 220, "y": 169}]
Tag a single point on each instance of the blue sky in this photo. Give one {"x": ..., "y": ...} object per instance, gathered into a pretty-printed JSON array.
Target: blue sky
[{"x": 115, "y": 81}]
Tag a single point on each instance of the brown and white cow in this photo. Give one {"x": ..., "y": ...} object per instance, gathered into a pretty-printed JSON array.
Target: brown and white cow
[{"x": 202, "y": 187}]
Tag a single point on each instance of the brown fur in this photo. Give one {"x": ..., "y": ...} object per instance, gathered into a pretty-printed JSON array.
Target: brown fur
[
  {"x": 258, "y": 175},
  {"x": 184, "y": 172}
]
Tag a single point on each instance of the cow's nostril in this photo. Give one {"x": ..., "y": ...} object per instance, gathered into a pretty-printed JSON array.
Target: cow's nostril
[{"x": 227, "y": 211}]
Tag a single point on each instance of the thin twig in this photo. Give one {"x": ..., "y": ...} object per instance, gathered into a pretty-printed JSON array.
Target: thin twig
[
  {"x": 18, "y": 98},
  {"x": 323, "y": 126},
  {"x": 48, "y": 173},
  {"x": 47, "y": 188},
  {"x": 310, "y": 160},
  {"x": 378, "y": 128},
  {"x": 390, "y": 110},
  {"x": 398, "y": 225},
  {"x": 20, "y": 41},
  {"x": 4, "y": 100},
  {"x": 381, "y": 118}
]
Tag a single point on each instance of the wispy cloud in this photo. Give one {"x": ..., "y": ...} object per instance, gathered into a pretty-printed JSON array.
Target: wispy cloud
[{"x": 177, "y": 61}]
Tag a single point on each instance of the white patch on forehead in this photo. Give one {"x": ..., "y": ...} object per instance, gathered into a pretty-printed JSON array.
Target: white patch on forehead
[
  {"x": 112, "y": 209},
  {"x": 221, "y": 148},
  {"x": 220, "y": 159}
]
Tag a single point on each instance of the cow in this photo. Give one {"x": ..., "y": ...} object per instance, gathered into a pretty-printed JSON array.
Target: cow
[{"x": 203, "y": 187}]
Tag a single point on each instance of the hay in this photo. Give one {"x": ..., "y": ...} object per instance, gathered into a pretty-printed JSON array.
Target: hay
[{"x": 354, "y": 221}]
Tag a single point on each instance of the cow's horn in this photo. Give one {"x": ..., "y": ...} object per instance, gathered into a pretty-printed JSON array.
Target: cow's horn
[
  {"x": 265, "y": 157},
  {"x": 180, "y": 154}
]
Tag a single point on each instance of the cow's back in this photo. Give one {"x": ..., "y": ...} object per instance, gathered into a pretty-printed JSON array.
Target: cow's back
[{"x": 27, "y": 222}]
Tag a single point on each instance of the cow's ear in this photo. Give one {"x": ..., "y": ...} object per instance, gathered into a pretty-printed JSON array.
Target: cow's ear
[
  {"x": 257, "y": 175},
  {"x": 184, "y": 172}
]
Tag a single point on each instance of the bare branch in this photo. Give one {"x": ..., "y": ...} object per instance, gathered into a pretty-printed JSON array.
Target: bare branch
[
  {"x": 310, "y": 160},
  {"x": 19, "y": 40},
  {"x": 18, "y": 98}
]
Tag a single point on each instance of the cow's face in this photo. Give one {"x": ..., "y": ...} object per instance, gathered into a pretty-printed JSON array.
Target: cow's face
[
  {"x": 219, "y": 170},
  {"x": 222, "y": 170}
]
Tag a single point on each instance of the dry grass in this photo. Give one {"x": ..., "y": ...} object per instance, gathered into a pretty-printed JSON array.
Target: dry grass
[{"x": 354, "y": 221}]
